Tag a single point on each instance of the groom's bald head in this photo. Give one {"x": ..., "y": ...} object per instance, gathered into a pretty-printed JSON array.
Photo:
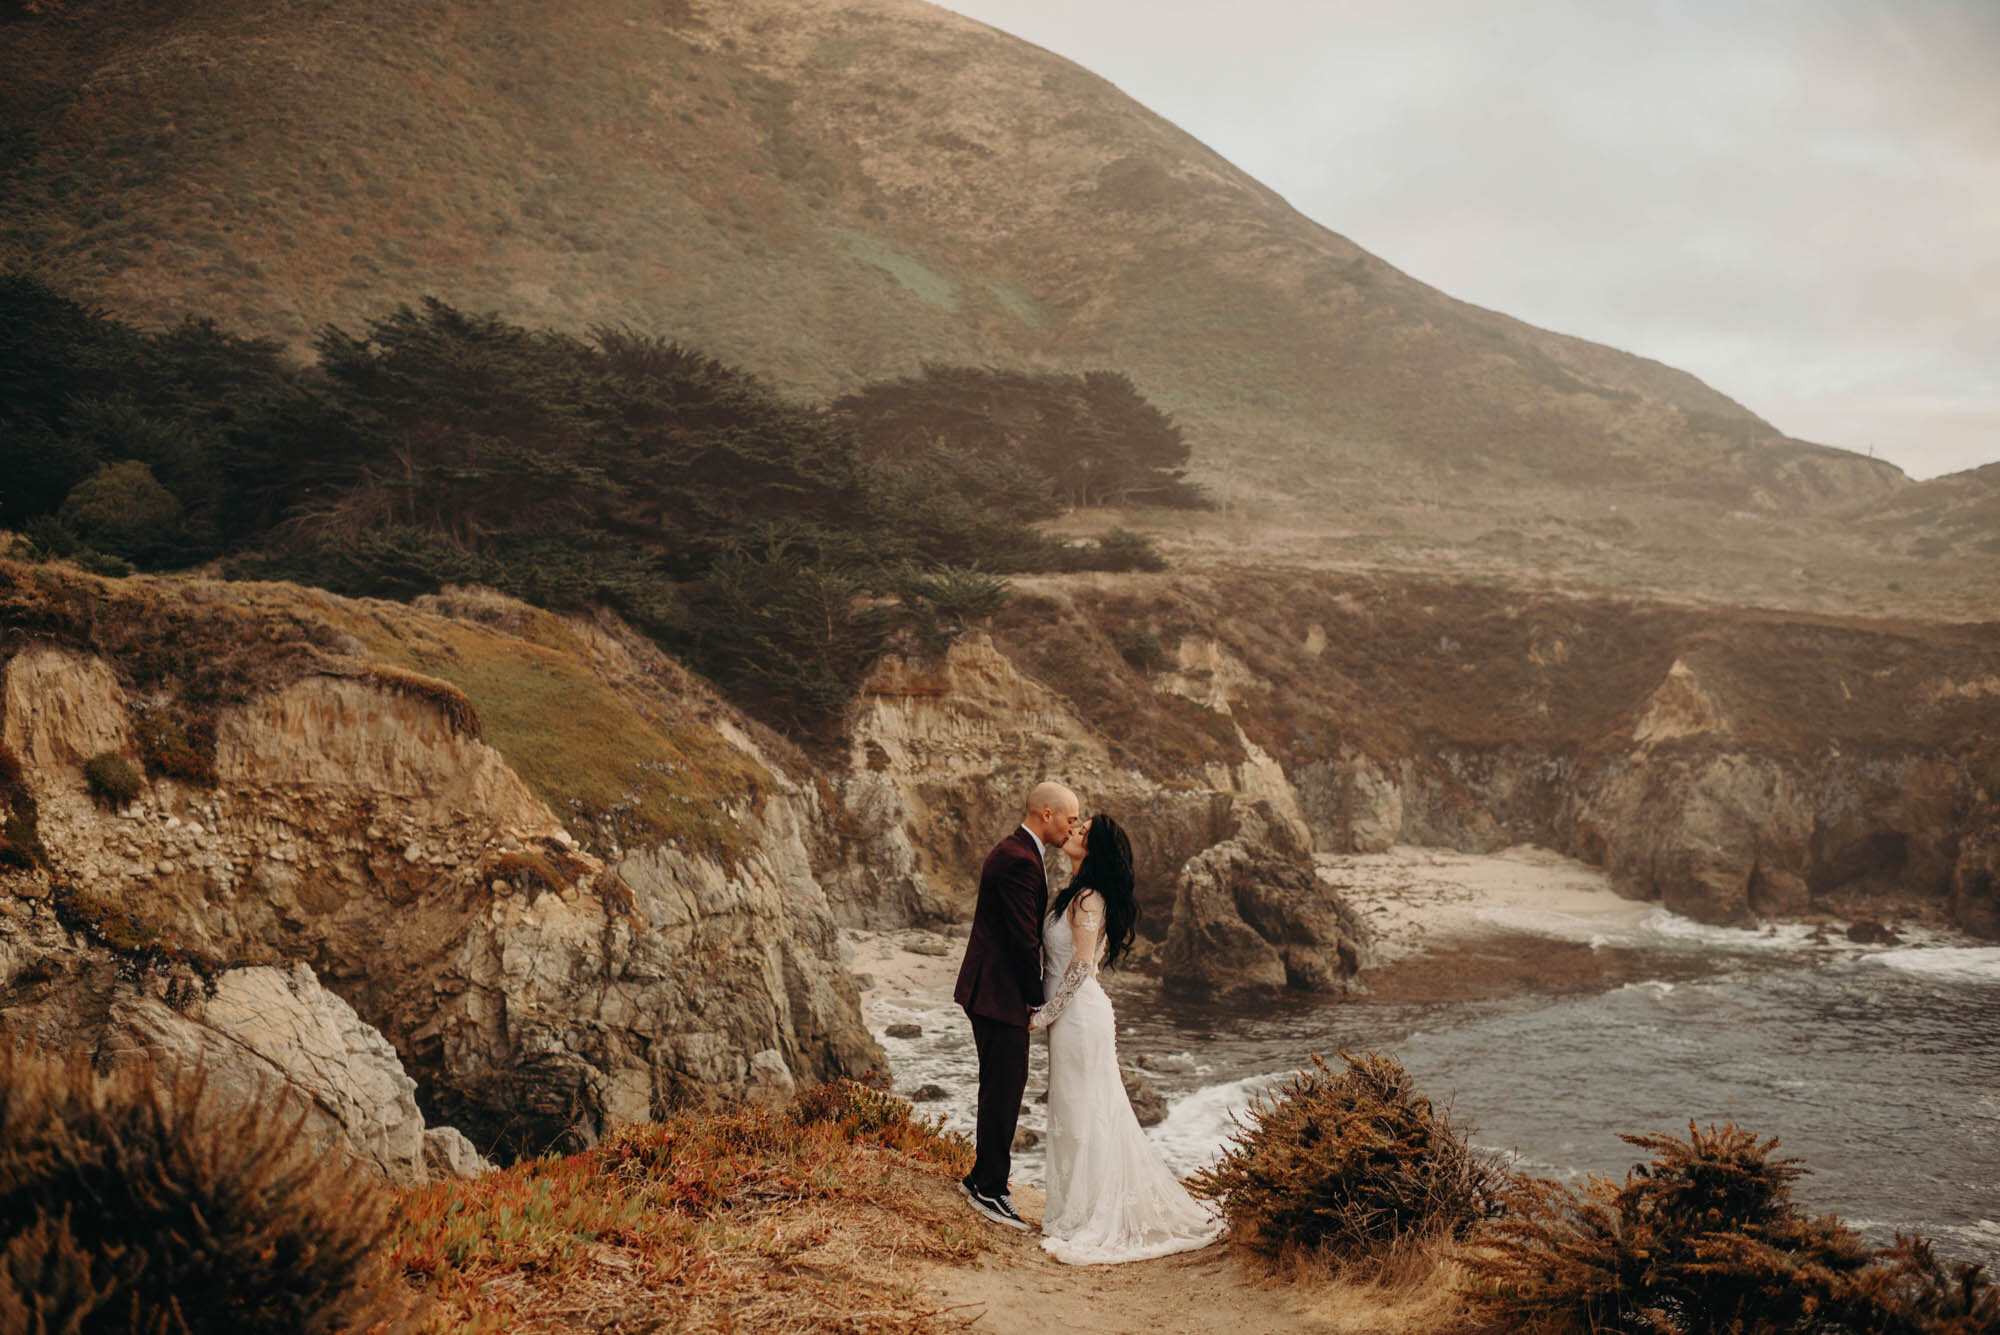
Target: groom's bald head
[{"x": 1052, "y": 811}]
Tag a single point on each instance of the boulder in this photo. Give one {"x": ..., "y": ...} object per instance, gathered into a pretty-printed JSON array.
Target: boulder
[
  {"x": 905, "y": 1030},
  {"x": 267, "y": 1035},
  {"x": 1148, "y": 1104},
  {"x": 448, "y": 1154},
  {"x": 771, "y": 1083},
  {"x": 1250, "y": 914}
]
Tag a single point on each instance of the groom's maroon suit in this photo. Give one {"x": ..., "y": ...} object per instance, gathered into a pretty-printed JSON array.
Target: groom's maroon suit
[{"x": 999, "y": 980}]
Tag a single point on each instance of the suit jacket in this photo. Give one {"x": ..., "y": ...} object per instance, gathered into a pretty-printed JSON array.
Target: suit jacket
[{"x": 1002, "y": 973}]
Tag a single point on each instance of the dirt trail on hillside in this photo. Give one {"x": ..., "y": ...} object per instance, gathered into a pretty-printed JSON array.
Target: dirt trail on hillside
[{"x": 1015, "y": 1287}]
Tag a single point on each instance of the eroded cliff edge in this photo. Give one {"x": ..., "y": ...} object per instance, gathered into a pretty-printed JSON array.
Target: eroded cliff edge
[{"x": 566, "y": 883}]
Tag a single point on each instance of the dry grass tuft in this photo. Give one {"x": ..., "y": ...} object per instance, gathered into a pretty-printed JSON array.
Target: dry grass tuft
[
  {"x": 452, "y": 702},
  {"x": 1707, "y": 1237},
  {"x": 1419, "y": 1286},
  {"x": 140, "y": 1203},
  {"x": 748, "y": 1220}
]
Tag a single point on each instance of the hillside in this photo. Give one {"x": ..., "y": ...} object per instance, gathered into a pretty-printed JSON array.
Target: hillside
[{"x": 824, "y": 193}]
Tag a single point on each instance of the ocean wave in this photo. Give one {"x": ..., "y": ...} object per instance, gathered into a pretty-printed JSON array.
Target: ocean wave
[
  {"x": 1196, "y": 1126},
  {"x": 1977, "y": 964},
  {"x": 1663, "y": 927}
]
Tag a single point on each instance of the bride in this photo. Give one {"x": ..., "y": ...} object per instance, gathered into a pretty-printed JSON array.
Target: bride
[{"x": 1110, "y": 1196}]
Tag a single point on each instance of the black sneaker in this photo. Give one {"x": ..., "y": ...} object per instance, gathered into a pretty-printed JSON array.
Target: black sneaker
[{"x": 1000, "y": 1209}]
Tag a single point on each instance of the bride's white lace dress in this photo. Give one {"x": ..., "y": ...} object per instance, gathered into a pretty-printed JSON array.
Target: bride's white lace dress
[{"x": 1110, "y": 1196}]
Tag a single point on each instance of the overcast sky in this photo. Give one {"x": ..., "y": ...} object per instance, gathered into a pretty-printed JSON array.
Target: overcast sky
[{"x": 1796, "y": 200}]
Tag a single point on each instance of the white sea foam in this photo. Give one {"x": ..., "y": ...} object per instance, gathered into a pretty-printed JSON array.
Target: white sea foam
[
  {"x": 1976, "y": 964},
  {"x": 1662, "y": 927},
  {"x": 1196, "y": 1127}
]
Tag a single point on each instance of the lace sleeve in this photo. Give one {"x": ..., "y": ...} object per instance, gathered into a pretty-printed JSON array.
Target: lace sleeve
[{"x": 1086, "y": 925}]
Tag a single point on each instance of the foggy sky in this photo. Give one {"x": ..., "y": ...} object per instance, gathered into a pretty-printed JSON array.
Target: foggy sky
[{"x": 1796, "y": 200}]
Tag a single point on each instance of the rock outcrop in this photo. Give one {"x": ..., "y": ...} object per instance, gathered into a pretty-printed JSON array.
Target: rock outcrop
[
  {"x": 1731, "y": 764},
  {"x": 537, "y": 989},
  {"x": 1250, "y": 915},
  {"x": 264, "y": 1035}
]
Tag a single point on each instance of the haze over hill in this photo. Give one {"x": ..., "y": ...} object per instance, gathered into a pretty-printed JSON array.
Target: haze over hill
[{"x": 824, "y": 192}]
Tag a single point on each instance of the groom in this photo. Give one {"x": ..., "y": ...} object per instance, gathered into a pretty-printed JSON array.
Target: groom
[{"x": 1000, "y": 979}]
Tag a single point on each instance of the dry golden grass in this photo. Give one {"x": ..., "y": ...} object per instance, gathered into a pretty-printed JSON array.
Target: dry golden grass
[
  {"x": 726, "y": 1222},
  {"x": 1418, "y": 1287}
]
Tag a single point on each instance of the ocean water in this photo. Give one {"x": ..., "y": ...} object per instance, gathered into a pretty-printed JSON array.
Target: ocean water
[{"x": 1879, "y": 1067}]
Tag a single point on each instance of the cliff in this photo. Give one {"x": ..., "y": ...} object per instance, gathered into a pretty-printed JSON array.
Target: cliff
[
  {"x": 535, "y": 871},
  {"x": 313, "y": 799}
]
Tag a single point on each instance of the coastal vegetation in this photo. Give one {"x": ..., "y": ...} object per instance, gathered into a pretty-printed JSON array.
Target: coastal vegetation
[
  {"x": 822, "y": 1215},
  {"x": 139, "y": 1202},
  {"x": 1348, "y": 1163},
  {"x": 778, "y": 546}
]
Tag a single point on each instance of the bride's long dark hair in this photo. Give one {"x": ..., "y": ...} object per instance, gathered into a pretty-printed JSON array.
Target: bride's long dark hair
[{"x": 1107, "y": 869}]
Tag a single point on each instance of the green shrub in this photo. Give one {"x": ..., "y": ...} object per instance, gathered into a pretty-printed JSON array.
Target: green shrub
[
  {"x": 1119, "y": 549},
  {"x": 129, "y": 1205},
  {"x": 939, "y": 604},
  {"x": 113, "y": 780},
  {"x": 1138, "y": 645},
  {"x": 1348, "y": 1164},
  {"x": 122, "y": 509}
]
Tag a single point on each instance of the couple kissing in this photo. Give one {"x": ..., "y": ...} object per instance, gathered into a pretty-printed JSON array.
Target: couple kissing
[{"x": 1032, "y": 965}]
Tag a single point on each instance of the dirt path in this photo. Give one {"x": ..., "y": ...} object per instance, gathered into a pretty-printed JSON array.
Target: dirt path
[{"x": 1016, "y": 1287}]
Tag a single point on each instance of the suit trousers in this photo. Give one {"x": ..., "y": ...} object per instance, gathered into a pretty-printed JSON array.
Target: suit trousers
[{"x": 1003, "y": 1079}]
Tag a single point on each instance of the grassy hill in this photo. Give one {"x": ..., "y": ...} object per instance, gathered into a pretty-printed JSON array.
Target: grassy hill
[{"x": 823, "y": 191}]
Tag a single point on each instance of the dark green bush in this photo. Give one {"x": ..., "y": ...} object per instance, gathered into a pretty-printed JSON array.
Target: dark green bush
[
  {"x": 1347, "y": 1164},
  {"x": 1138, "y": 645},
  {"x": 1707, "y": 1238},
  {"x": 113, "y": 780},
  {"x": 1118, "y": 550},
  {"x": 130, "y": 1206},
  {"x": 121, "y": 509}
]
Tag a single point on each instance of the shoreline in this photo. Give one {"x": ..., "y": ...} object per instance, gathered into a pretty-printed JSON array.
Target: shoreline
[{"x": 1445, "y": 926}]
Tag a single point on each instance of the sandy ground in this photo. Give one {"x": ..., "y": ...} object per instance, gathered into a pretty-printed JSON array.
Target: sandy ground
[
  {"x": 1016, "y": 1286},
  {"x": 1425, "y": 899},
  {"x": 1447, "y": 926}
]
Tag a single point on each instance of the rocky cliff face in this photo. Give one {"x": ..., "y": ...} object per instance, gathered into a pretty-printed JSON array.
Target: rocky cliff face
[
  {"x": 525, "y": 877},
  {"x": 1728, "y": 763},
  {"x": 353, "y": 820}
]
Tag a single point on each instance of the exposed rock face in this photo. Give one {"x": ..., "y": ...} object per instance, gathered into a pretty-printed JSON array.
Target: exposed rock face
[
  {"x": 265, "y": 1029},
  {"x": 263, "y": 1035},
  {"x": 1249, "y": 915},
  {"x": 448, "y": 1154},
  {"x": 1729, "y": 763},
  {"x": 538, "y": 993},
  {"x": 942, "y": 757}
]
